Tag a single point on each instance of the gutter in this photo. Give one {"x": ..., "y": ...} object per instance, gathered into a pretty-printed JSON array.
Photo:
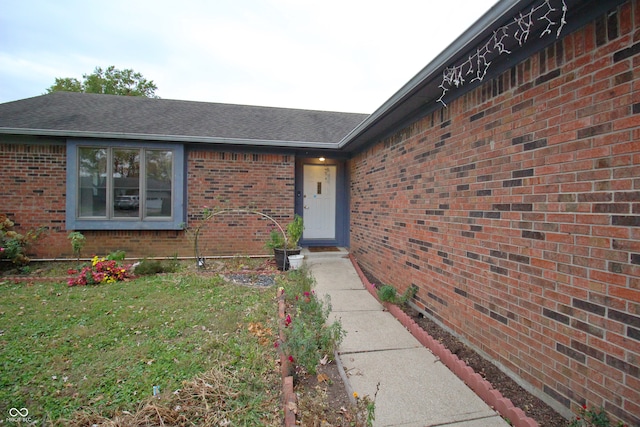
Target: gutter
[{"x": 169, "y": 138}]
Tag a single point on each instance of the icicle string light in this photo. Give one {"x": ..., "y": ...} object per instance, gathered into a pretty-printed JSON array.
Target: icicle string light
[{"x": 476, "y": 66}]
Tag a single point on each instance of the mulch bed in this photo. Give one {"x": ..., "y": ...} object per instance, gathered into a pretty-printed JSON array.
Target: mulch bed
[
  {"x": 324, "y": 398},
  {"x": 261, "y": 280}
]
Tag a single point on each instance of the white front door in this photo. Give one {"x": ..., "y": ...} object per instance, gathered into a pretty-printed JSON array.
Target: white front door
[{"x": 319, "y": 202}]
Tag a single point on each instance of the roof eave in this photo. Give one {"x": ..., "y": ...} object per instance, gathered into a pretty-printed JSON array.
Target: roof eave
[
  {"x": 167, "y": 138},
  {"x": 421, "y": 95},
  {"x": 467, "y": 40}
]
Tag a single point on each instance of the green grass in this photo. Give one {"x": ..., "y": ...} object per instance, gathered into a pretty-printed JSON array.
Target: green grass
[{"x": 103, "y": 348}]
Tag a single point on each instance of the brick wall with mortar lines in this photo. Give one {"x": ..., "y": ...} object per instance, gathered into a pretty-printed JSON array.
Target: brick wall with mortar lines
[
  {"x": 28, "y": 197},
  {"x": 217, "y": 179},
  {"x": 244, "y": 180},
  {"x": 261, "y": 182},
  {"x": 516, "y": 213}
]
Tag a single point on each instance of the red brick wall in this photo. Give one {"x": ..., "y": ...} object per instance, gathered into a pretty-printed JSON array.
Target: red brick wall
[
  {"x": 262, "y": 182},
  {"x": 28, "y": 197},
  {"x": 217, "y": 180},
  {"x": 246, "y": 180},
  {"x": 516, "y": 212}
]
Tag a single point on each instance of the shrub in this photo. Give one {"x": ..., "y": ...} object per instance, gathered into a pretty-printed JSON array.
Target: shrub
[
  {"x": 387, "y": 293},
  {"x": 116, "y": 255},
  {"x": 13, "y": 245},
  {"x": 152, "y": 266},
  {"x": 593, "y": 418},
  {"x": 77, "y": 242}
]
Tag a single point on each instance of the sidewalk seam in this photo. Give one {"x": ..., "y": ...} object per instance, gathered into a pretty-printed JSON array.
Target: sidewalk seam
[
  {"x": 465, "y": 420},
  {"x": 379, "y": 350}
]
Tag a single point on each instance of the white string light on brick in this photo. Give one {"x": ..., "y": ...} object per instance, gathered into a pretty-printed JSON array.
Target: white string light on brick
[{"x": 477, "y": 64}]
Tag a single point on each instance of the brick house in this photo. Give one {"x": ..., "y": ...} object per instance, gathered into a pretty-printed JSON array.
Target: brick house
[
  {"x": 503, "y": 181},
  {"x": 140, "y": 169}
]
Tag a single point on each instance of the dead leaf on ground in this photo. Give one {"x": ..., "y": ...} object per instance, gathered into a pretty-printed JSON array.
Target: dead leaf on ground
[
  {"x": 323, "y": 378},
  {"x": 258, "y": 330}
]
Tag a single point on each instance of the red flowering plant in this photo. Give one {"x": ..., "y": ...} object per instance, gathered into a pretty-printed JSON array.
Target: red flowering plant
[
  {"x": 309, "y": 338},
  {"x": 101, "y": 270},
  {"x": 590, "y": 417}
]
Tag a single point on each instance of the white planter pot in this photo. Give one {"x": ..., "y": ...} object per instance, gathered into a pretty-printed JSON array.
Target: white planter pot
[{"x": 295, "y": 261}]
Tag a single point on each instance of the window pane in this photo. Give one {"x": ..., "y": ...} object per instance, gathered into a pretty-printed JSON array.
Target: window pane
[
  {"x": 159, "y": 170},
  {"x": 126, "y": 183},
  {"x": 92, "y": 175}
]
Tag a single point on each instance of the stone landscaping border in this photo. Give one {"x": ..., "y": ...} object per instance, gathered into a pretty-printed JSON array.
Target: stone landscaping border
[{"x": 475, "y": 381}]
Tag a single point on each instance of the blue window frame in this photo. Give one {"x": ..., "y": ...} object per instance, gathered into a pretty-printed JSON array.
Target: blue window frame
[{"x": 124, "y": 185}]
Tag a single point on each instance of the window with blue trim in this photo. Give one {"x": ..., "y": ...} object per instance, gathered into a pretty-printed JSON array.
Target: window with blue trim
[{"x": 124, "y": 185}]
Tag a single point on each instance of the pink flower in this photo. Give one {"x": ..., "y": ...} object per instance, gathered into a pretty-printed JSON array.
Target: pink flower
[
  {"x": 276, "y": 344},
  {"x": 287, "y": 321},
  {"x": 291, "y": 359}
]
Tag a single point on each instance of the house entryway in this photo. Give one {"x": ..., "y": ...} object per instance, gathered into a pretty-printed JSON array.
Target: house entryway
[
  {"x": 319, "y": 202},
  {"x": 322, "y": 200}
]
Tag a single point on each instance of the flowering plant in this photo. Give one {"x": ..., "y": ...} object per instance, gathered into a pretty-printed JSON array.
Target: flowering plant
[
  {"x": 592, "y": 418},
  {"x": 366, "y": 408},
  {"x": 101, "y": 270},
  {"x": 308, "y": 335}
]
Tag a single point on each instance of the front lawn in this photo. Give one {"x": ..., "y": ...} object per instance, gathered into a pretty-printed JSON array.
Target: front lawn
[{"x": 103, "y": 349}]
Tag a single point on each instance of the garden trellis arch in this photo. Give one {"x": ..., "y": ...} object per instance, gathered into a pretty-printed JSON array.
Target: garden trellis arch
[{"x": 211, "y": 214}]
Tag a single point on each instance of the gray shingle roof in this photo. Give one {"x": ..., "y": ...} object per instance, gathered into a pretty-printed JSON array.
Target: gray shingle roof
[{"x": 80, "y": 113}]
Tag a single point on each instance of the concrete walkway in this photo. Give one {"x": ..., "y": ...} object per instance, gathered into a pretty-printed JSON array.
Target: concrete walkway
[{"x": 415, "y": 388}]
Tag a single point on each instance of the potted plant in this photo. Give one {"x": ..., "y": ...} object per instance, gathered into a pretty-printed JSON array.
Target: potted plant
[{"x": 283, "y": 248}]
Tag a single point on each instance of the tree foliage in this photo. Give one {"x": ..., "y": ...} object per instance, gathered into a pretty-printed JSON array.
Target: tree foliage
[{"x": 110, "y": 81}]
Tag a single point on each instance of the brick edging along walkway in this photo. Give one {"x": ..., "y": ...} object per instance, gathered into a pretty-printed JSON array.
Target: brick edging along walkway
[
  {"x": 475, "y": 381},
  {"x": 289, "y": 404}
]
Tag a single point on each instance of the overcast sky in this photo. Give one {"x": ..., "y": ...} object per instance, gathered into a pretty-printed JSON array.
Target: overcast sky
[{"x": 337, "y": 55}]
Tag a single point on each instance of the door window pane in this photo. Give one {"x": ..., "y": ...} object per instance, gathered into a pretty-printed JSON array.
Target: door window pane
[
  {"x": 92, "y": 167},
  {"x": 126, "y": 183}
]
